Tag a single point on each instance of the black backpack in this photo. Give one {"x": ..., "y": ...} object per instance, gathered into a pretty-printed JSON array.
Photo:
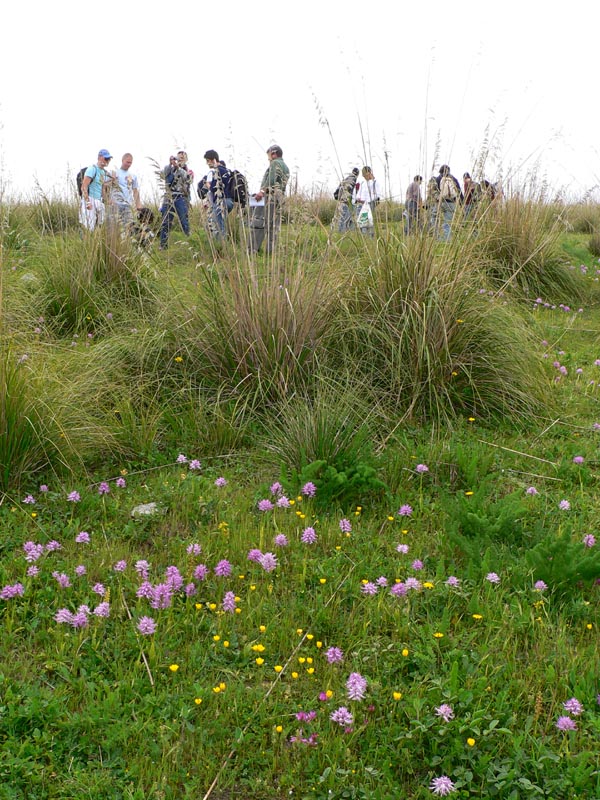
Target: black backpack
[
  {"x": 238, "y": 188},
  {"x": 80, "y": 177}
]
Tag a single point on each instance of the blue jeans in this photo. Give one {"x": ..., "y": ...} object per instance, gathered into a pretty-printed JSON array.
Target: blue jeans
[
  {"x": 447, "y": 211},
  {"x": 219, "y": 209},
  {"x": 178, "y": 204},
  {"x": 412, "y": 216},
  {"x": 346, "y": 219}
]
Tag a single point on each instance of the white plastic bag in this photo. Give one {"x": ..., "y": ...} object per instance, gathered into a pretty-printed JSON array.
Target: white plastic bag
[{"x": 365, "y": 216}]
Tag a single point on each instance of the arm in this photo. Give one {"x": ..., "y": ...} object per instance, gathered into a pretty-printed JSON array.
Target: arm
[{"x": 85, "y": 190}]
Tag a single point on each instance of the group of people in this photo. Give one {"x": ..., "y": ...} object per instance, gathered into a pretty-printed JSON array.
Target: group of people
[
  {"x": 445, "y": 198},
  {"x": 357, "y": 200},
  {"x": 358, "y": 196},
  {"x": 114, "y": 196}
]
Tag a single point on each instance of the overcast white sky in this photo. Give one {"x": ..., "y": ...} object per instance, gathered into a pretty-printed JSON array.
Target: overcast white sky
[{"x": 403, "y": 86}]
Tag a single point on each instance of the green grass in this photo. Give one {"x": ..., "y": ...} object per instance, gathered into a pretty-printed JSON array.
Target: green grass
[{"x": 350, "y": 386}]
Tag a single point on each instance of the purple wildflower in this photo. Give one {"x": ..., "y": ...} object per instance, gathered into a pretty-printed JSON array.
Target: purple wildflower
[
  {"x": 399, "y": 589},
  {"x": 531, "y": 490},
  {"x": 283, "y": 502},
  {"x": 402, "y": 548},
  {"x": 62, "y": 579},
  {"x": 146, "y": 625},
  {"x": 345, "y": 526},
  {"x": 201, "y": 572},
  {"x": 445, "y": 711},
  {"x": 73, "y": 497},
  {"x": 566, "y": 724},
  {"x": 29, "y": 500},
  {"x": 578, "y": 459},
  {"x": 12, "y": 590},
  {"x": 306, "y": 716},
  {"x": 103, "y": 488},
  {"x": 220, "y": 482},
  {"x": 573, "y": 706},
  {"x": 223, "y": 568},
  {"x": 120, "y": 483},
  {"x": 369, "y": 588},
  {"x": 382, "y": 581},
  {"x": 309, "y": 489},
  {"x": 193, "y": 549},
  {"x": 43, "y": 488},
  {"x": 98, "y": 588},
  {"x": 421, "y": 468},
  {"x": 268, "y": 562},
  {"x": 32, "y": 571},
  {"x": 265, "y": 505},
  {"x": 413, "y": 583},
  {"x": 145, "y": 590},
  {"x": 142, "y": 567},
  {"x": 63, "y": 615},
  {"x": 181, "y": 459},
  {"x": 342, "y": 716},
  {"x": 80, "y": 570},
  {"x": 308, "y": 536},
  {"x": 120, "y": 566},
  {"x": 564, "y": 505},
  {"x": 162, "y": 596},
  {"x": 356, "y": 686},
  {"x": 442, "y": 786},
  {"x": 276, "y": 488},
  {"x": 280, "y": 540},
  {"x": 82, "y": 537},
  {"x": 540, "y": 586},
  {"x": 229, "y": 602},
  {"x": 334, "y": 655},
  {"x": 417, "y": 564},
  {"x": 32, "y": 551},
  {"x": 53, "y": 545},
  {"x": 452, "y": 580},
  {"x": 190, "y": 589},
  {"x": 405, "y": 510},
  {"x": 173, "y": 578},
  {"x": 195, "y": 464},
  {"x": 254, "y": 555},
  {"x": 80, "y": 617},
  {"x": 102, "y": 610},
  {"x": 492, "y": 577},
  {"x": 589, "y": 540}
]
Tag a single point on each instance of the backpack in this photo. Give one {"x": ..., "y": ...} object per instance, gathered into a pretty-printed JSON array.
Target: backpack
[
  {"x": 238, "y": 188},
  {"x": 80, "y": 177},
  {"x": 448, "y": 190}
]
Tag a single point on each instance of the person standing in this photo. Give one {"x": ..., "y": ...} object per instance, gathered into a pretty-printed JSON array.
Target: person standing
[
  {"x": 125, "y": 192},
  {"x": 178, "y": 180},
  {"x": 413, "y": 204},
  {"x": 450, "y": 198},
  {"x": 272, "y": 188},
  {"x": 93, "y": 186},
  {"x": 343, "y": 194},
  {"x": 217, "y": 184},
  {"x": 366, "y": 193}
]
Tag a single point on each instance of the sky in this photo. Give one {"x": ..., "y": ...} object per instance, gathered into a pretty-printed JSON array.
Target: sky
[{"x": 505, "y": 90}]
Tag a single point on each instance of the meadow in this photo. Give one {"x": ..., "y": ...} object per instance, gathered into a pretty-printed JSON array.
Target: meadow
[{"x": 320, "y": 524}]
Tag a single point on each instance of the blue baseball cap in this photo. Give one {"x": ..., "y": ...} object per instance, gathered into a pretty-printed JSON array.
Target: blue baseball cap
[{"x": 104, "y": 153}]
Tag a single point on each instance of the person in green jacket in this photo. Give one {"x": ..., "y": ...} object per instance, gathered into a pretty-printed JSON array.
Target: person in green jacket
[{"x": 272, "y": 188}]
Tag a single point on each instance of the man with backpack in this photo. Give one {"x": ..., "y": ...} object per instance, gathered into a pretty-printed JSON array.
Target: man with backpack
[
  {"x": 93, "y": 185},
  {"x": 450, "y": 198},
  {"x": 177, "y": 179},
  {"x": 343, "y": 194},
  {"x": 217, "y": 189}
]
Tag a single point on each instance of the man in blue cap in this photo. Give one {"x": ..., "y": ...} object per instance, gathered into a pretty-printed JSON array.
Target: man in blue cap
[{"x": 92, "y": 211}]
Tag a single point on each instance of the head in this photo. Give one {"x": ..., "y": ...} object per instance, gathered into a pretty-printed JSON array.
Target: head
[
  {"x": 274, "y": 152},
  {"x": 126, "y": 161},
  {"x": 367, "y": 173},
  {"x": 212, "y": 158},
  {"x": 466, "y": 177},
  {"x": 104, "y": 158},
  {"x": 418, "y": 179},
  {"x": 181, "y": 158},
  {"x": 356, "y": 172},
  {"x": 444, "y": 169}
]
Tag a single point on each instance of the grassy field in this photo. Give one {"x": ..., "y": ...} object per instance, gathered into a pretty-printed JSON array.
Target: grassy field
[{"x": 316, "y": 525}]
